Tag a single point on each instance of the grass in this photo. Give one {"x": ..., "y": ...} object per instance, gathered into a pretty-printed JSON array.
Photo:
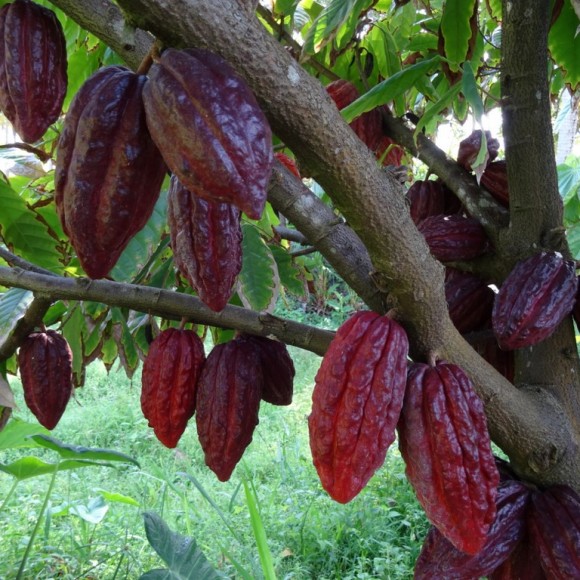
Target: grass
[{"x": 377, "y": 535}]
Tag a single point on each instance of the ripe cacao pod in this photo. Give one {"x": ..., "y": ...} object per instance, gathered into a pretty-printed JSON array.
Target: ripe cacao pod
[
  {"x": 440, "y": 559},
  {"x": 277, "y": 369},
  {"x": 554, "y": 527},
  {"x": 394, "y": 155},
  {"x": 444, "y": 441},
  {"x": 288, "y": 163},
  {"x": 495, "y": 180},
  {"x": 33, "y": 68},
  {"x": 426, "y": 198},
  {"x": 470, "y": 146},
  {"x": 356, "y": 402},
  {"x": 108, "y": 170},
  {"x": 45, "y": 363},
  {"x": 453, "y": 238},
  {"x": 209, "y": 128},
  {"x": 228, "y": 400},
  {"x": 522, "y": 564},
  {"x": 206, "y": 238},
  {"x": 169, "y": 383},
  {"x": 536, "y": 296},
  {"x": 469, "y": 300}
]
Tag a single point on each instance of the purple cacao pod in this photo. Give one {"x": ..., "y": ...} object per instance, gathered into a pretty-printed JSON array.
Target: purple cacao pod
[
  {"x": 495, "y": 180},
  {"x": 469, "y": 149}
]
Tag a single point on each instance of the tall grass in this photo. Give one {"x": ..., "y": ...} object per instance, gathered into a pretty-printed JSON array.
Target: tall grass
[{"x": 377, "y": 535}]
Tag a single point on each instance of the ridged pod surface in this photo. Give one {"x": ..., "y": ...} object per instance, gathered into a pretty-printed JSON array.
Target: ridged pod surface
[
  {"x": 209, "y": 128},
  {"x": 288, "y": 163},
  {"x": 440, "y": 559},
  {"x": 207, "y": 243},
  {"x": 495, "y": 180},
  {"x": 470, "y": 146},
  {"x": 169, "y": 383},
  {"x": 534, "y": 299},
  {"x": 554, "y": 527},
  {"x": 228, "y": 400},
  {"x": 356, "y": 402},
  {"x": 108, "y": 170},
  {"x": 522, "y": 564},
  {"x": 426, "y": 198},
  {"x": 33, "y": 68},
  {"x": 453, "y": 238},
  {"x": 444, "y": 441},
  {"x": 45, "y": 364},
  {"x": 277, "y": 369}
]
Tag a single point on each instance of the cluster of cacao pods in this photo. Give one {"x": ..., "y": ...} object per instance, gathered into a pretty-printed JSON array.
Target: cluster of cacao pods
[{"x": 223, "y": 391}]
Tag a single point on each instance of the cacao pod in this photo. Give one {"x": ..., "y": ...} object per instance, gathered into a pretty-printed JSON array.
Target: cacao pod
[
  {"x": 356, "y": 402},
  {"x": 536, "y": 296},
  {"x": 554, "y": 527},
  {"x": 444, "y": 441},
  {"x": 502, "y": 360},
  {"x": 169, "y": 383},
  {"x": 470, "y": 146},
  {"x": 45, "y": 363},
  {"x": 206, "y": 238},
  {"x": 288, "y": 163},
  {"x": 277, "y": 369},
  {"x": 576, "y": 309},
  {"x": 495, "y": 180},
  {"x": 209, "y": 128},
  {"x": 440, "y": 559},
  {"x": 33, "y": 68},
  {"x": 469, "y": 300},
  {"x": 426, "y": 198},
  {"x": 454, "y": 238},
  {"x": 522, "y": 564},
  {"x": 394, "y": 155},
  {"x": 108, "y": 170},
  {"x": 228, "y": 400}
]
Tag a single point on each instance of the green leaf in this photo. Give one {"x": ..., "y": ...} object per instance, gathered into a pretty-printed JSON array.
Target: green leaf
[
  {"x": 128, "y": 353},
  {"x": 568, "y": 180},
  {"x": 564, "y": 44},
  {"x": 291, "y": 276},
  {"x": 13, "y": 305},
  {"x": 118, "y": 498},
  {"x": 435, "y": 108},
  {"x": 185, "y": 560},
  {"x": 17, "y": 434},
  {"x": 471, "y": 91},
  {"x": 285, "y": 7},
  {"x": 74, "y": 330},
  {"x": 573, "y": 236},
  {"x": 258, "y": 282},
  {"x": 24, "y": 233},
  {"x": 93, "y": 513},
  {"x": 28, "y": 467},
  {"x": 389, "y": 89},
  {"x": 68, "y": 451},
  {"x": 456, "y": 30}
]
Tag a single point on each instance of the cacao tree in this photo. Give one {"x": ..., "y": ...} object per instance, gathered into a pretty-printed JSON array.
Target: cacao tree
[{"x": 416, "y": 64}]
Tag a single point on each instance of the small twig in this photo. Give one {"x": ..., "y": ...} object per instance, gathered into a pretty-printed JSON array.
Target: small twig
[
  {"x": 303, "y": 252},
  {"x": 42, "y": 155},
  {"x": 291, "y": 235},
  {"x": 21, "y": 263},
  {"x": 150, "y": 58}
]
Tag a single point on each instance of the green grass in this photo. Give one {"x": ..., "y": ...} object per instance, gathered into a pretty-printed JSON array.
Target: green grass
[{"x": 377, "y": 535}]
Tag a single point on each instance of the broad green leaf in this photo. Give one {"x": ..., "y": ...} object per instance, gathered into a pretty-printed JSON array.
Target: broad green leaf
[
  {"x": 389, "y": 89},
  {"x": 435, "y": 108},
  {"x": 181, "y": 554},
  {"x": 568, "y": 180},
  {"x": 28, "y": 467},
  {"x": 258, "y": 282},
  {"x": 289, "y": 272},
  {"x": 564, "y": 45},
  {"x": 68, "y": 451},
  {"x": 126, "y": 345},
  {"x": 13, "y": 305},
  {"x": 573, "y": 236},
  {"x": 495, "y": 6},
  {"x": 22, "y": 231},
  {"x": 17, "y": 434},
  {"x": 471, "y": 91},
  {"x": 118, "y": 498},
  {"x": 456, "y": 30},
  {"x": 74, "y": 330},
  {"x": 93, "y": 513},
  {"x": 285, "y": 7}
]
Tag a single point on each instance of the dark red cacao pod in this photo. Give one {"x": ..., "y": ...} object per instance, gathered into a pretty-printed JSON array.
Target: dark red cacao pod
[
  {"x": 228, "y": 400},
  {"x": 453, "y": 238},
  {"x": 209, "y": 128},
  {"x": 206, "y": 238},
  {"x": 536, "y": 296},
  {"x": 444, "y": 441},
  {"x": 108, "y": 170},
  {"x": 288, "y": 163},
  {"x": 502, "y": 360},
  {"x": 576, "y": 310},
  {"x": 356, "y": 402},
  {"x": 277, "y": 369},
  {"x": 33, "y": 68},
  {"x": 394, "y": 155},
  {"x": 169, "y": 383},
  {"x": 495, "y": 180},
  {"x": 45, "y": 363},
  {"x": 469, "y": 300},
  {"x": 554, "y": 527},
  {"x": 469, "y": 148},
  {"x": 426, "y": 198},
  {"x": 522, "y": 564},
  {"x": 440, "y": 559}
]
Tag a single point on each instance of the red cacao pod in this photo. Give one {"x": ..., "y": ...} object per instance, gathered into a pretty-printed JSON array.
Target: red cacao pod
[
  {"x": 426, "y": 198},
  {"x": 277, "y": 369},
  {"x": 554, "y": 527},
  {"x": 495, "y": 180},
  {"x": 469, "y": 300},
  {"x": 169, "y": 383},
  {"x": 228, "y": 400},
  {"x": 470, "y": 146},
  {"x": 444, "y": 441},
  {"x": 536, "y": 296},
  {"x": 206, "y": 238},
  {"x": 356, "y": 402},
  {"x": 209, "y": 128},
  {"x": 394, "y": 155},
  {"x": 522, "y": 564},
  {"x": 45, "y": 363},
  {"x": 453, "y": 238},
  {"x": 33, "y": 68},
  {"x": 108, "y": 170},
  {"x": 288, "y": 163}
]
